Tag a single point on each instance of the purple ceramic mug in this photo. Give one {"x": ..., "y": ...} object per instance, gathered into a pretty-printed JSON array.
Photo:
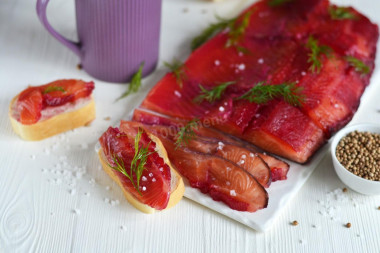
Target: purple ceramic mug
[{"x": 115, "y": 36}]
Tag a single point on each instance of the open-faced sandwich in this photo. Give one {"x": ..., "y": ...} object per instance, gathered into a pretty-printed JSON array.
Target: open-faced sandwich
[
  {"x": 139, "y": 164},
  {"x": 40, "y": 112}
]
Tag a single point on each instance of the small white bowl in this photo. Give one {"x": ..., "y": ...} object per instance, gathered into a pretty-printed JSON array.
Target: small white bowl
[{"x": 356, "y": 183}]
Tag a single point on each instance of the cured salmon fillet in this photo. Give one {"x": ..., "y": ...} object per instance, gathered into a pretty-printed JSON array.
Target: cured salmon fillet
[
  {"x": 276, "y": 51},
  {"x": 220, "y": 178}
]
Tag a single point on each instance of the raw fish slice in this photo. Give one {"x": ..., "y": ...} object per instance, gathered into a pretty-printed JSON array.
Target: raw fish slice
[
  {"x": 33, "y": 100},
  {"x": 240, "y": 156},
  {"x": 29, "y": 105}
]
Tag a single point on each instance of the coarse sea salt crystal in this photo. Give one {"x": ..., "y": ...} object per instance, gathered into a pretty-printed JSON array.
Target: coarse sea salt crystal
[
  {"x": 303, "y": 73},
  {"x": 228, "y": 183},
  {"x": 241, "y": 66},
  {"x": 243, "y": 156},
  {"x": 177, "y": 93},
  {"x": 251, "y": 154},
  {"x": 108, "y": 188},
  {"x": 33, "y": 157},
  {"x": 87, "y": 194},
  {"x": 161, "y": 169},
  {"x": 232, "y": 193},
  {"x": 84, "y": 146},
  {"x": 260, "y": 61},
  {"x": 76, "y": 211},
  {"x": 217, "y": 62},
  {"x": 144, "y": 188},
  {"x": 228, "y": 168},
  {"x": 123, "y": 228},
  {"x": 221, "y": 109},
  {"x": 72, "y": 191},
  {"x": 143, "y": 178},
  {"x": 151, "y": 174},
  {"x": 153, "y": 180}
]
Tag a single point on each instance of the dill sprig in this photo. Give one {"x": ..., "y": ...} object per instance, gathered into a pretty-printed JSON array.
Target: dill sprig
[
  {"x": 135, "y": 83},
  {"x": 138, "y": 162},
  {"x": 186, "y": 133},
  {"x": 359, "y": 66},
  {"x": 236, "y": 29},
  {"x": 262, "y": 93},
  {"x": 213, "y": 94},
  {"x": 210, "y": 31},
  {"x": 178, "y": 69},
  {"x": 275, "y": 3},
  {"x": 316, "y": 52},
  {"x": 53, "y": 88},
  {"x": 339, "y": 13}
]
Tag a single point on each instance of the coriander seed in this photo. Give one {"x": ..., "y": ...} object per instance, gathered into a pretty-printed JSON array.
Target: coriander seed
[
  {"x": 295, "y": 223},
  {"x": 359, "y": 153},
  {"x": 348, "y": 225}
]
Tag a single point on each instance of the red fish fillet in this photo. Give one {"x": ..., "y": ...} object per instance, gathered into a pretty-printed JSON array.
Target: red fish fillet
[{"x": 276, "y": 39}]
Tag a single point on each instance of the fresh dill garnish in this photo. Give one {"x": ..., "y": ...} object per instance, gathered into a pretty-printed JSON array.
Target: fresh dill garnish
[
  {"x": 316, "y": 52},
  {"x": 186, "y": 133},
  {"x": 135, "y": 83},
  {"x": 210, "y": 31},
  {"x": 236, "y": 29},
  {"x": 359, "y": 66},
  {"x": 53, "y": 88},
  {"x": 138, "y": 162},
  {"x": 262, "y": 93},
  {"x": 178, "y": 69},
  {"x": 213, "y": 94},
  {"x": 275, "y": 3},
  {"x": 339, "y": 13}
]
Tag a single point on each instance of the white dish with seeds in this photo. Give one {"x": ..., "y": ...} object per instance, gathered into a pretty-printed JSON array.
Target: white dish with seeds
[{"x": 357, "y": 182}]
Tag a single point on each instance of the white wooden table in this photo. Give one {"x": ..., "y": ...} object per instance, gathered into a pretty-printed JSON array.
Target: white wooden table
[{"x": 55, "y": 198}]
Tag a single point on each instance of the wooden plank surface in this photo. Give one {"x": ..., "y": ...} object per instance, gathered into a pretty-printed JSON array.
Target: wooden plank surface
[{"x": 54, "y": 197}]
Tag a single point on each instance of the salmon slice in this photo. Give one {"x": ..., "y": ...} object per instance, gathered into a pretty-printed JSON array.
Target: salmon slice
[
  {"x": 279, "y": 169},
  {"x": 154, "y": 185},
  {"x": 221, "y": 179},
  {"x": 33, "y": 100},
  {"x": 29, "y": 105}
]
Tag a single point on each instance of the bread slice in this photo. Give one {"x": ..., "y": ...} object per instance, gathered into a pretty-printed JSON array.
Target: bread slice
[
  {"x": 177, "y": 185},
  {"x": 57, "y": 124}
]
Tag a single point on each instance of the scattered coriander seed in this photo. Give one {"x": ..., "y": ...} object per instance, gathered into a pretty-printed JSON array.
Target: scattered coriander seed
[
  {"x": 107, "y": 118},
  {"x": 295, "y": 223},
  {"x": 359, "y": 153},
  {"x": 79, "y": 66},
  {"x": 345, "y": 189},
  {"x": 378, "y": 208},
  {"x": 348, "y": 225}
]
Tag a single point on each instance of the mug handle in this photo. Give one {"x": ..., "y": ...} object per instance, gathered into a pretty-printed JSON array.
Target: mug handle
[{"x": 41, "y": 12}]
